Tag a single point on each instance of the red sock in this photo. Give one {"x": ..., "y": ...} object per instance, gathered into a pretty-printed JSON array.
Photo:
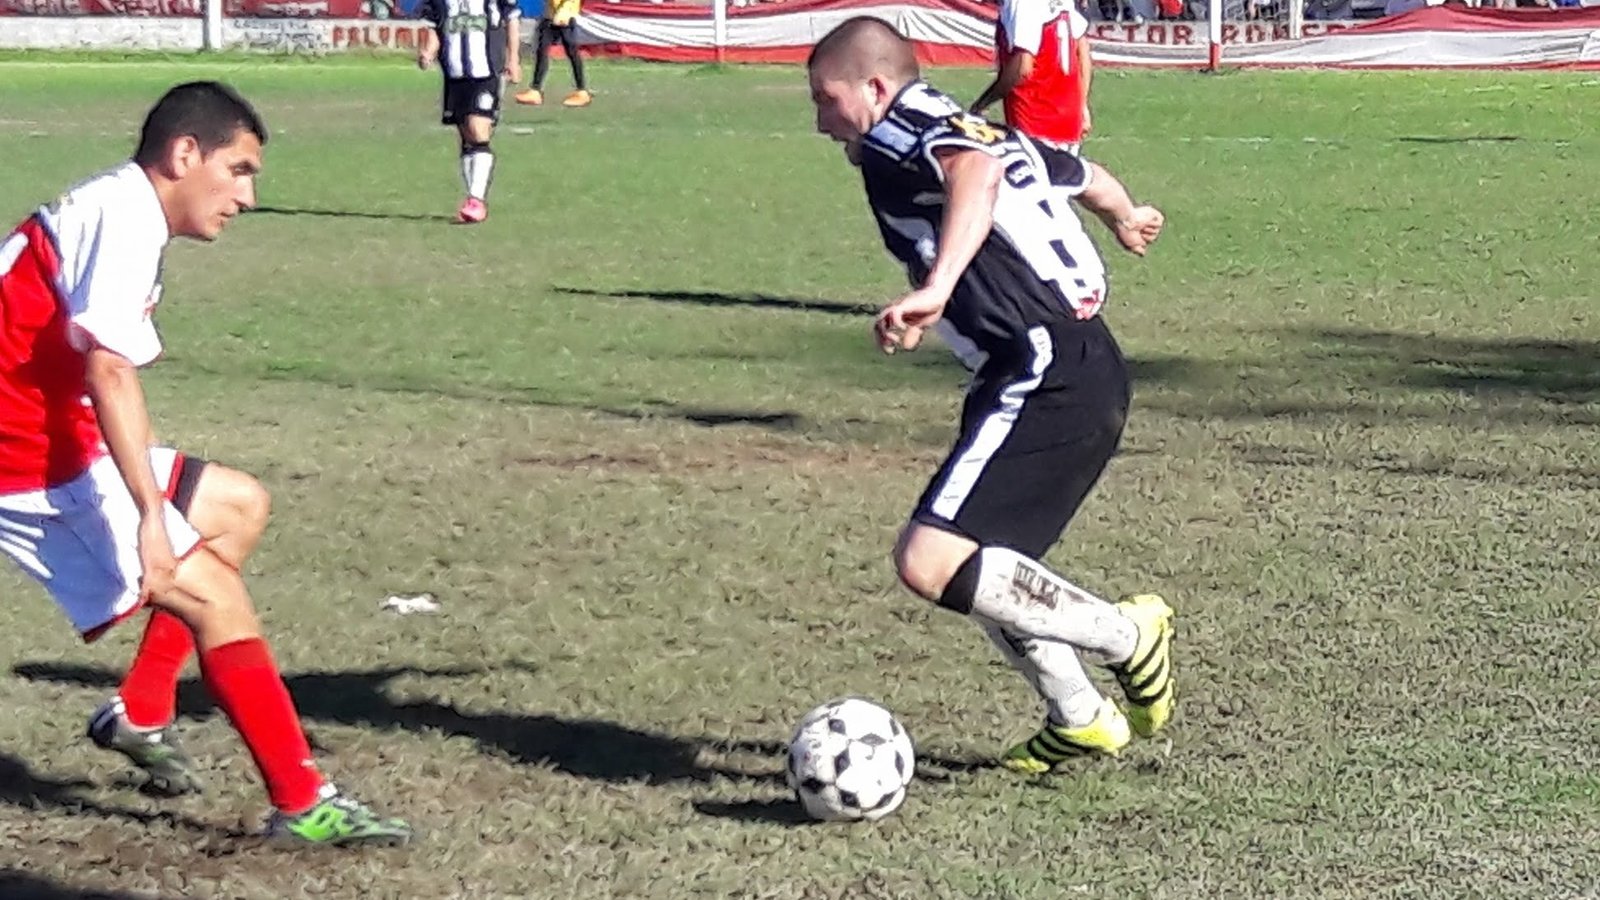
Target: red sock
[
  {"x": 245, "y": 682},
  {"x": 150, "y": 691}
]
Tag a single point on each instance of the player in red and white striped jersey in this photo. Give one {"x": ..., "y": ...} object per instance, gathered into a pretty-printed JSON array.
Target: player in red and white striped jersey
[
  {"x": 104, "y": 519},
  {"x": 1042, "y": 52}
]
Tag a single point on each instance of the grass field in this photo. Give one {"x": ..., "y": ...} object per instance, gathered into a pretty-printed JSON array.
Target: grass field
[{"x": 632, "y": 434}]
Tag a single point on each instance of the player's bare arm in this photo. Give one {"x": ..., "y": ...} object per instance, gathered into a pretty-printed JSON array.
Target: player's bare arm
[
  {"x": 513, "y": 72},
  {"x": 972, "y": 185},
  {"x": 427, "y": 48},
  {"x": 1136, "y": 226},
  {"x": 1086, "y": 65},
  {"x": 119, "y": 404},
  {"x": 1018, "y": 66}
]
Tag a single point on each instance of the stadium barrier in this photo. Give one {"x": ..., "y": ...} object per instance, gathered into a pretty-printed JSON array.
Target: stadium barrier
[{"x": 947, "y": 32}]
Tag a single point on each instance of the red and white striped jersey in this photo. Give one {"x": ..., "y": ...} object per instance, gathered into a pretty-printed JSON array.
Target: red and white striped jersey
[
  {"x": 81, "y": 272},
  {"x": 1049, "y": 103}
]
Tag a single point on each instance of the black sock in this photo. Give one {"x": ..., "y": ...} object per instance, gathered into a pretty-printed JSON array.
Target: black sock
[{"x": 963, "y": 587}]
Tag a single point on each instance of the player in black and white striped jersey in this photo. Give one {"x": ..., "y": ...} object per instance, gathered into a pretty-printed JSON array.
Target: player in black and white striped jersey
[
  {"x": 475, "y": 43},
  {"x": 982, "y": 220}
]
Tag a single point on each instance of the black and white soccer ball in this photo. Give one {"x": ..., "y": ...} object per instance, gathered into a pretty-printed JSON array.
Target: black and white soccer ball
[{"x": 850, "y": 759}]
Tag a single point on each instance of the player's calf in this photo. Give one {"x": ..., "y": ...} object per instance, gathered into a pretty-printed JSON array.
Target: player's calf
[
  {"x": 477, "y": 168},
  {"x": 1078, "y": 719},
  {"x": 210, "y": 597},
  {"x": 240, "y": 673},
  {"x": 1017, "y": 592}
]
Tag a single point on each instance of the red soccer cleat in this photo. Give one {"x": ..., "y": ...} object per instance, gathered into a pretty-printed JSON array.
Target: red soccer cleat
[{"x": 472, "y": 211}]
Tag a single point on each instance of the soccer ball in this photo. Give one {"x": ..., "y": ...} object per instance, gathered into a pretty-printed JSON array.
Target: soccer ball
[{"x": 849, "y": 759}]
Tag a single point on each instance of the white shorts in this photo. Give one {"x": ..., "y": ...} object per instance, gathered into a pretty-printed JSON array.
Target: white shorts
[{"x": 81, "y": 539}]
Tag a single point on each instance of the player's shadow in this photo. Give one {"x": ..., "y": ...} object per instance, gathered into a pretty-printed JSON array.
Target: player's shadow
[
  {"x": 584, "y": 748},
  {"x": 1560, "y": 371},
  {"x": 1362, "y": 376},
  {"x": 28, "y": 886},
  {"x": 778, "y": 811},
  {"x": 349, "y": 214},
  {"x": 716, "y": 299},
  {"x": 21, "y": 787},
  {"x": 1459, "y": 139},
  {"x": 646, "y": 410}
]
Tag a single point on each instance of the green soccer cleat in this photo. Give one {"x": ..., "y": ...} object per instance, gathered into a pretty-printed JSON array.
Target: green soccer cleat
[
  {"x": 338, "y": 821},
  {"x": 1054, "y": 744},
  {"x": 156, "y": 751},
  {"x": 1146, "y": 677}
]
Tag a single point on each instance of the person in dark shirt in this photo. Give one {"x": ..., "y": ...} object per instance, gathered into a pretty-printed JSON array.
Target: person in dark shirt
[{"x": 981, "y": 217}]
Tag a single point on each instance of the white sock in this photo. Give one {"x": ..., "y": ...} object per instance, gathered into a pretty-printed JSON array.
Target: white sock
[
  {"x": 466, "y": 172},
  {"x": 1054, "y": 671},
  {"x": 1022, "y": 596},
  {"x": 479, "y": 167}
]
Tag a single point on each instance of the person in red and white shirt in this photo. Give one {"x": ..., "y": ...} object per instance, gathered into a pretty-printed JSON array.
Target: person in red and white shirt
[
  {"x": 107, "y": 521},
  {"x": 1042, "y": 52}
]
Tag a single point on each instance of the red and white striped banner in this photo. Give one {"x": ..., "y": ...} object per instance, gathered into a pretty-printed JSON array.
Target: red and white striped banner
[
  {"x": 946, "y": 32},
  {"x": 960, "y": 32}
]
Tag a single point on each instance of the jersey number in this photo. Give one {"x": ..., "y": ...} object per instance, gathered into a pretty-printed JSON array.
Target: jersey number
[{"x": 977, "y": 130}]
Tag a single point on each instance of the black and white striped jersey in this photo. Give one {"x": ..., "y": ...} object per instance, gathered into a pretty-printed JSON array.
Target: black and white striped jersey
[
  {"x": 472, "y": 35},
  {"x": 1038, "y": 264}
]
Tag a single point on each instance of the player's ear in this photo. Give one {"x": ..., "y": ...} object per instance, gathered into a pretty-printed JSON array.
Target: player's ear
[
  {"x": 183, "y": 154},
  {"x": 876, "y": 91}
]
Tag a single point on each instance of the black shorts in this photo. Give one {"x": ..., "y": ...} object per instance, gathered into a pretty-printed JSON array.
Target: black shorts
[
  {"x": 549, "y": 30},
  {"x": 185, "y": 478},
  {"x": 1036, "y": 433},
  {"x": 465, "y": 97}
]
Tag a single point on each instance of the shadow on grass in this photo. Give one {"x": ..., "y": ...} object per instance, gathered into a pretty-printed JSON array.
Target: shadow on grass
[
  {"x": 20, "y": 786},
  {"x": 725, "y": 300},
  {"x": 645, "y": 410},
  {"x": 781, "y": 811},
  {"x": 349, "y": 214},
  {"x": 20, "y": 885},
  {"x": 1315, "y": 375},
  {"x": 1563, "y": 371},
  {"x": 1463, "y": 139},
  {"x": 1383, "y": 377},
  {"x": 583, "y": 748}
]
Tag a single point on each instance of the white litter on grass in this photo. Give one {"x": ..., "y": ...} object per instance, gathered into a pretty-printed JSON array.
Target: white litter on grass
[{"x": 405, "y": 606}]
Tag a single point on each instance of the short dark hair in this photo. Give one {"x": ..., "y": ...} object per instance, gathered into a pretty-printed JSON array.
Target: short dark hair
[
  {"x": 866, "y": 45},
  {"x": 208, "y": 111}
]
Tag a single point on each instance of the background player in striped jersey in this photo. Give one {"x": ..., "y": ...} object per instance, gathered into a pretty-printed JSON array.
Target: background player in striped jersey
[
  {"x": 976, "y": 214},
  {"x": 1042, "y": 51},
  {"x": 559, "y": 23},
  {"x": 107, "y": 521},
  {"x": 475, "y": 43}
]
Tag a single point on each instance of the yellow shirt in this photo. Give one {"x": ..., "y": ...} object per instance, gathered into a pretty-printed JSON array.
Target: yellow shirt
[{"x": 561, "y": 12}]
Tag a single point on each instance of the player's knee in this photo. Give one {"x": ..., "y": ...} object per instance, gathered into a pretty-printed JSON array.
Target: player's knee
[
  {"x": 923, "y": 572},
  {"x": 234, "y": 503},
  {"x": 229, "y": 505},
  {"x": 930, "y": 559},
  {"x": 253, "y": 503}
]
